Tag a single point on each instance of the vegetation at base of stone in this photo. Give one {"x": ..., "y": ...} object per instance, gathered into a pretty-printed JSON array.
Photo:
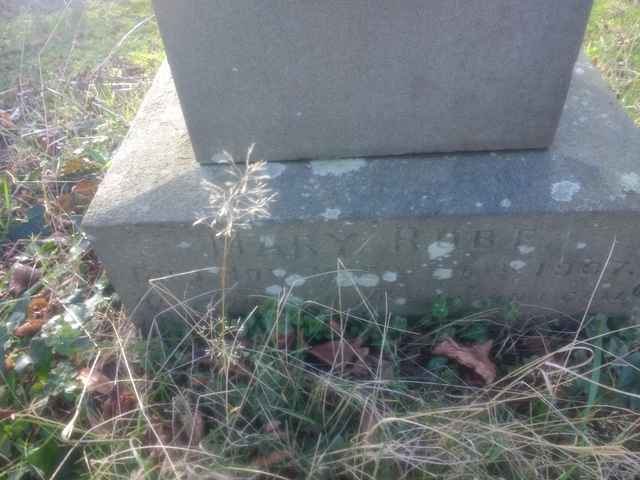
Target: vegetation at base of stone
[
  {"x": 296, "y": 390},
  {"x": 82, "y": 396}
]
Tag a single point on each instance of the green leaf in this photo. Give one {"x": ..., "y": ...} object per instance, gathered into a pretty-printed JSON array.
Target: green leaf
[
  {"x": 512, "y": 312},
  {"x": 41, "y": 355},
  {"x": 45, "y": 457},
  {"x": 477, "y": 332},
  {"x": 440, "y": 309},
  {"x": 437, "y": 363}
]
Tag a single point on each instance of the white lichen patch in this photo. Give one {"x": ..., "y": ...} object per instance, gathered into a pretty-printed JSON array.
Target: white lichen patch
[
  {"x": 400, "y": 301},
  {"x": 581, "y": 245},
  {"x": 331, "y": 214},
  {"x": 443, "y": 273},
  {"x": 295, "y": 280},
  {"x": 506, "y": 203},
  {"x": 279, "y": 272},
  {"x": 348, "y": 279},
  {"x": 479, "y": 204},
  {"x": 442, "y": 249},
  {"x": 526, "y": 249},
  {"x": 368, "y": 280},
  {"x": 184, "y": 245},
  {"x": 268, "y": 240},
  {"x": 390, "y": 277},
  {"x": 518, "y": 265},
  {"x": 630, "y": 182},
  {"x": 565, "y": 191},
  {"x": 336, "y": 168},
  {"x": 274, "y": 169},
  {"x": 274, "y": 290}
]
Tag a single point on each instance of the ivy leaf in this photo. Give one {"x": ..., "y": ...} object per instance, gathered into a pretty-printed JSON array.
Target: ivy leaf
[
  {"x": 440, "y": 309},
  {"x": 476, "y": 333},
  {"x": 45, "y": 457}
]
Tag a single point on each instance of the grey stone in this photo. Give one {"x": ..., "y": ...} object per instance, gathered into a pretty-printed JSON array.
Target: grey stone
[
  {"x": 338, "y": 79},
  {"x": 532, "y": 225}
]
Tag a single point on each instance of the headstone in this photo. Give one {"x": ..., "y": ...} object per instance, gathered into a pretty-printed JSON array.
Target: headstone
[
  {"x": 534, "y": 226},
  {"x": 362, "y": 78}
]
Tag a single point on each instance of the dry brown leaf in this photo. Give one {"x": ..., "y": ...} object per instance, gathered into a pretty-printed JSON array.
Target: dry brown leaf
[
  {"x": 75, "y": 166},
  {"x": 22, "y": 278},
  {"x": 271, "y": 459},
  {"x": 37, "y": 316},
  {"x": 95, "y": 381},
  {"x": 286, "y": 340},
  {"x": 340, "y": 352},
  {"x": 119, "y": 402},
  {"x": 6, "y": 413},
  {"x": 38, "y": 308},
  {"x": 85, "y": 188},
  {"x": 475, "y": 357},
  {"x": 5, "y": 120},
  {"x": 29, "y": 328}
]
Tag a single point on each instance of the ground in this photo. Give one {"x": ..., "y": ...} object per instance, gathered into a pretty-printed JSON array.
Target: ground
[{"x": 292, "y": 388}]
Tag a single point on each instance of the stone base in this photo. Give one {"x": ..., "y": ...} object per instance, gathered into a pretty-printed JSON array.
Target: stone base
[{"x": 535, "y": 226}]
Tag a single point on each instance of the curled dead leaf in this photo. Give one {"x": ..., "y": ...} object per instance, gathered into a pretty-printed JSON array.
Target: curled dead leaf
[
  {"x": 474, "y": 357},
  {"x": 6, "y": 413},
  {"x": 38, "y": 308},
  {"x": 272, "y": 459},
  {"x": 23, "y": 277},
  {"x": 84, "y": 189},
  {"x": 6, "y": 121},
  {"x": 37, "y": 316},
  {"x": 340, "y": 352},
  {"x": 95, "y": 381},
  {"x": 120, "y": 401},
  {"x": 29, "y": 328}
]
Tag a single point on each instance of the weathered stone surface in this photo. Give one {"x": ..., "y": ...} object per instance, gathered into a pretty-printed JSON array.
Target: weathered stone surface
[
  {"x": 535, "y": 225},
  {"x": 337, "y": 78}
]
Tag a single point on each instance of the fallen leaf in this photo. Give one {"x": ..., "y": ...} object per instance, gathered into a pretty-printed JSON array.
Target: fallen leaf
[
  {"x": 38, "y": 308},
  {"x": 119, "y": 402},
  {"x": 286, "y": 340},
  {"x": 37, "y": 316},
  {"x": 474, "y": 356},
  {"x": 5, "y": 120},
  {"x": 85, "y": 188},
  {"x": 272, "y": 459},
  {"x": 340, "y": 352},
  {"x": 23, "y": 277},
  {"x": 76, "y": 166},
  {"x": 6, "y": 413},
  {"x": 95, "y": 381},
  {"x": 29, "y": 328}
]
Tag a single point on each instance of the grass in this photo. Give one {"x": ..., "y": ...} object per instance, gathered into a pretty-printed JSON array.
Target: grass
[
  {"x": 84, "y": 396},
  {"x": 613, "y": 43}
]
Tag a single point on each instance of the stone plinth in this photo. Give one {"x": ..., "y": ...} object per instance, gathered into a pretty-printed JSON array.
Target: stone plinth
[
  {"x": 352, "y": 78},
  {"x": 532, "y": 225}
]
